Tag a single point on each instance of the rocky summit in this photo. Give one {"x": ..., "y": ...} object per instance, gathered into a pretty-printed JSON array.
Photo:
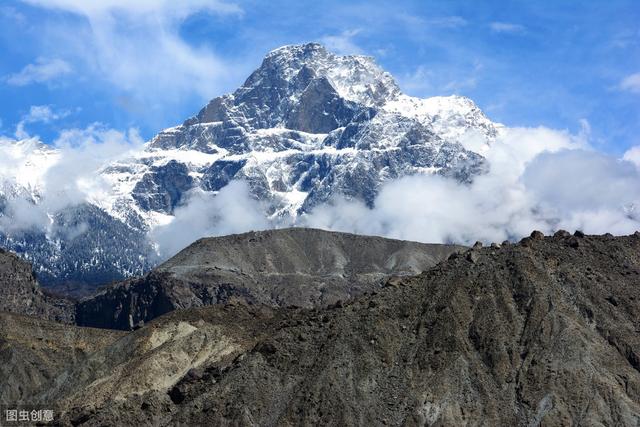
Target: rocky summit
[
  {"x": 306, "y": 126},
  {"x": 542, "y": 332}
]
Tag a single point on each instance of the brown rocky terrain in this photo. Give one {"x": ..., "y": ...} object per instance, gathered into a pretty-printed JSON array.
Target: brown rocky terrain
[
  {"x": 284, "y": 267},
  {"x": 21, "y": 293},
  {"x": 544, "y": 332},
  {"x": 34, "y": 352}
]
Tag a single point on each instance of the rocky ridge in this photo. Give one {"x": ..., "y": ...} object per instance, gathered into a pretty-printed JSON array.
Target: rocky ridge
[
  {"x": 544, "y": 332},
  {"x": 21, "y": 293},
  {"x": 278, "y": 268}
]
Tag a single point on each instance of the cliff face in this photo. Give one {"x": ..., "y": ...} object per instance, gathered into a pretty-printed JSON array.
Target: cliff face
[
  {"x": 20, "y": 292},
  {"x": 545, "y": 332}
]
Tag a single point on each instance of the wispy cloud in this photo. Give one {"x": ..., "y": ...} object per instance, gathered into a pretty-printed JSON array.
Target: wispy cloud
[
  {"x": 418, "y": 82},
  {"x": 38, "y": 114},
  {"x": 421, "y": 24},
  {"x": 43, "y": 70},
  {"x": 13, "y": 14},
  {"x": 138, "y": 48},
  {"x": 180, "y": 10},
  {"x": 343, "y": 43},
  {"x": 425, "y": 82},
  {"x": 447, "y": 22},
  {"x": 506, "y": 27},
  {"x": 631, "y": 83}
]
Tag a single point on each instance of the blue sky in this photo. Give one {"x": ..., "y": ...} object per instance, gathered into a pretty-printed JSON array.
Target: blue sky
[{"x": 145, "y": 64}]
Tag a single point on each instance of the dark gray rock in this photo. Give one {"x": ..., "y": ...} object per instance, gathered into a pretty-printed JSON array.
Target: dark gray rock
[
  {"x": 163, "y": 187},
  {"x": 561, "y": 234},
  {"x": 221, "y": 173},
  {"x": 537, "y": 235}
]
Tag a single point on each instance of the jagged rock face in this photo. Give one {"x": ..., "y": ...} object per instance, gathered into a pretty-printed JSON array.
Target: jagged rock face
[
  {"x": 540, "y": 333},
  {"x": 306, "y": 126},
  {"x": 304, "y": 88},
  {"x": 161, "y": 189},
  {"x": 305, "y": 107},
  {"x": 20, "y": 292},
  {"x": 288, "y": 267}
]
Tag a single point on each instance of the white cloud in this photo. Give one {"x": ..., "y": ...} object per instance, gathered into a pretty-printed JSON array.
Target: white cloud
[
  {"x": 465, "y": 83},
  {"x": 57, "y": 176},
  {"x": 418, "y": 82},
  {"x": 10, "y": 13},
  {"x": 75, "y": 178},
  {"x": 44, "y": 114},
  {"x": 38, "y": 114},
  {"x": 631, "y": 83},
  {"x": 138, "y": 48},
  {"x": 232, "y": 210},
  {"x": 539, "y": 179},
  {"x": 343, "y": 43},
  {"x": 447, "y": 22},
  {"x": 633, "y": 155},
  {"x": 43, "y": 70},
  {"x": 425, "y": 82},
  {"x": 180, "y": 9},
  {"x": 506, "y": 27}
]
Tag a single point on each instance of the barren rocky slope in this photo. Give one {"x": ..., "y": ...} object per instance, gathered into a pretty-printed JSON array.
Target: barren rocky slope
[
  {"x": 294, "y": 266},
  {"x": 545, "y": 332},
  {"x": 34, "y": 352},
  {"x": 21, "y": 293}
]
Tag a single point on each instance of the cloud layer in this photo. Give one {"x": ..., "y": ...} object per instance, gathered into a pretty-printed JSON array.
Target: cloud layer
[
  {"x": 38, "y": 180},
  {"x": 539, "y": 178},
  {"x": 231, "y": 211},
  {"x": 631, "y": 83}
]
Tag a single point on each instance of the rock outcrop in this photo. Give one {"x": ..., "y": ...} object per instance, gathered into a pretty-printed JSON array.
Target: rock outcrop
[{"x": 20, "y": 292}]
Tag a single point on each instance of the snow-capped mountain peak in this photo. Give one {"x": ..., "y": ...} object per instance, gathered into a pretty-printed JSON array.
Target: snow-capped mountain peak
[
  {"x": 356, "y": 78},
  {"x": 306, "y": 126},
  {"x": 24, "y": 164}
]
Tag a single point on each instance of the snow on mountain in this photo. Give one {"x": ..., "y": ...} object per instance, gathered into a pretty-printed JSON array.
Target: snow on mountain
[
  {"x": 23, "y": 165},
  {"x": 449, "y": 116},
  {"x": 307, "y": 125}
]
